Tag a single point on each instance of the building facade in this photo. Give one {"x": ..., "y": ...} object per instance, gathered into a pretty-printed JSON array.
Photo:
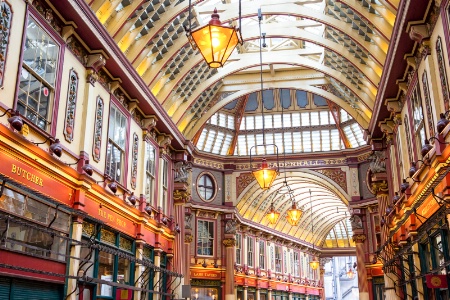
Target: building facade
[{"x": 104, "y": 196}]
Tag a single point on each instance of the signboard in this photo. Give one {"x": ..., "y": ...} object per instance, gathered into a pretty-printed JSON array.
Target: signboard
[
  {"x": 205, "y": 274},
  {"x": 34, "y": 179},
  {"x": 109, "y": 217}
]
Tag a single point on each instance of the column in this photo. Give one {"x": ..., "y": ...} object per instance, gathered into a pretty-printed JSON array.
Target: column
[
  {"x": 258, "y": 294},
  {"x": 74, "y": 262},
  {"x": 269, "y": 294},
  {"x": 157, "y": 277},
  {"x": 362, "y": 272},
  {"x": 139, "y": 269},
  {"x": 230, "y": 243},
  {"x": 418, "y": 270},
  {"x": 245, "y": 293}
]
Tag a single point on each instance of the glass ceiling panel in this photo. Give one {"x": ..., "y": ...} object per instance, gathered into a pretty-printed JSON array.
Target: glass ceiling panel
[{"x": 298, "y": 129}]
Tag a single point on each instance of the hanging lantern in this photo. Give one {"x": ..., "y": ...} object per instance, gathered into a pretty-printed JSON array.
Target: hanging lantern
[
  {"x": 265, "y": 175},
  {"x": 294, "y": 214},
  {"x": 314, "y": 264},
  {"x": 272, "y": 215},
  {"x": 215, "y": 41},
  {"x": 350, "y": 273}
]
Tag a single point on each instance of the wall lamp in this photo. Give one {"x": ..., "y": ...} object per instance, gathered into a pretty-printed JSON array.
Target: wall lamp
[
  {"x": 112, "y": 185},
  {"x": 55, "y": 147},
  {"x": 443, "y": 122},
  {"x": 15, "y": 120},
  {"x": 132, "y": 198},
  {"x": 87, "y": 168},
  {"x": 404, "y": 186}
]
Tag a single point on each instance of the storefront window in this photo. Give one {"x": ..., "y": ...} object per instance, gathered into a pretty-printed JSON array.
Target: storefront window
[
  {"x": 107, "y": 262},
  {"x": 44, "y": 235}
]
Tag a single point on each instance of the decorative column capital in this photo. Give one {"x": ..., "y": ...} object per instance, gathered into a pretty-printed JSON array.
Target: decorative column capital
[
  {"x": 359, "y": 238},
  {"x": 188, "y": 238},
  {"x": 229, "y": 242}
]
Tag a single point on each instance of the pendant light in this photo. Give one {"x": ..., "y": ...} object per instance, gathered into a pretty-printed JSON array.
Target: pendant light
[
  {"x": 264, "y": 175},
  {"x": 215, "y": 41},
  {"x": 272, "y": 215},
  {"x": 314, "y": 264}
]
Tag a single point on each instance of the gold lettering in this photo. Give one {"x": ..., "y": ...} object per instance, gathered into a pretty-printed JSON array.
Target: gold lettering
[
  {"x": 27, "y": 175},
  {"x": 121, "y": 223},
  {"x": 102, "y": 213}
]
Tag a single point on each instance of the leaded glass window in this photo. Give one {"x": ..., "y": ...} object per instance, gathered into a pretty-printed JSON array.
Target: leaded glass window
[
  {"x": 149, "y": 172},
  {"x": 38, "y": 75},
  {"x": 116, "y": 144},
  {"x": 205, "y": 237}
]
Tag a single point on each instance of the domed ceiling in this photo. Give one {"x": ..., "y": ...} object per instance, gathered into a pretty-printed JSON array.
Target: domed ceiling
[{"x": 321, "y": 68}]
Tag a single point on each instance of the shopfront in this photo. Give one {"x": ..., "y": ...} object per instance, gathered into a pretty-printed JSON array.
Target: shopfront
[{"x": 34, "y": 232}]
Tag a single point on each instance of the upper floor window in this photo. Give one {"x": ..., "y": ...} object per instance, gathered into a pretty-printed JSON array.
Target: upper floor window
[
  {"x": 116, "y": 144},
  {"x": 250, "y": 251},
  {"x": 296, "y": 264},
  {"x": 418, "y": 121},
  {"x": 165, "y": 185},
  {"x": 38, "y": 75},
  {"x": 238, "y": 249},
  {"x": 277, "y": 259},
  {"x": 205, "y": 237},
  {"x": 149, "y": 172},
  {"x": 262, "y": 254}
]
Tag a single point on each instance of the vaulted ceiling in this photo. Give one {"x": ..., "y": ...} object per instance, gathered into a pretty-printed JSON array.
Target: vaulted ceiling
[{"x": 335, "y": 50}]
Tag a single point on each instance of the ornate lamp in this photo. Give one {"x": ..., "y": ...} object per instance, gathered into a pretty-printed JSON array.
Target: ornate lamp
[
  {"x": 272, "y": 215},
  {"x": 350, "y": 273},
  {"x": 264, "y": 174},
  {"x": 294, "y": 214},
  {"x": 214, "y": 41},
  {"x": 314, "y": 264}
]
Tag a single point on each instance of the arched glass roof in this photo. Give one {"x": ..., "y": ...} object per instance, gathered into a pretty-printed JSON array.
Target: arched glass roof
[{"x": 294, "y": 120}]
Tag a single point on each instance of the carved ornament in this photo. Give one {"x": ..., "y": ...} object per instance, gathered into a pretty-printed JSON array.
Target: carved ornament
[
  {"x": 229, "y": 242},
  {"x": 359, "y": 238}
]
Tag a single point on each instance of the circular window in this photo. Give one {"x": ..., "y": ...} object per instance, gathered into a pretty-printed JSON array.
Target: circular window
[{"x": 206, "y": 187}]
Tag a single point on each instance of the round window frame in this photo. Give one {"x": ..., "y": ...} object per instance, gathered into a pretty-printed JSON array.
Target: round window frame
[{"x": 215, "y": 186}]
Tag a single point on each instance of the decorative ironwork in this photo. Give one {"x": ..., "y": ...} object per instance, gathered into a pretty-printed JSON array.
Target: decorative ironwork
[
  {"x": 5, "y": 23},
  {"x": 243, "y": 181},
  {"x": 134, "y": 160},
  {"x": 442, "y": 73},
  {"x": 426, "y": 92},
  {"x": 337, "y": 175},
  {"x": 98, "y": 129},
  {"x": 107, "y": 236},
  {"x": 88, "y": 229},
  {"x": 69, "y": 123},
  {"x": 125, "y": 244}
]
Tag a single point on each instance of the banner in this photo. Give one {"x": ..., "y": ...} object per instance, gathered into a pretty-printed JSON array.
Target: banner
[{"x": 436, "y": 281}]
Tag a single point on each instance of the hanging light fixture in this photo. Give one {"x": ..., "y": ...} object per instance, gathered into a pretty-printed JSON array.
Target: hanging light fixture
[
  {"x": 215, "y": 41},
  {"x": 350, "y": 273},
  {"x": 272, "y": 215},
  {"x": 314, "y": 264},
  {"x": 293, "y": 214},
  {"x": 264, "y": 175}
]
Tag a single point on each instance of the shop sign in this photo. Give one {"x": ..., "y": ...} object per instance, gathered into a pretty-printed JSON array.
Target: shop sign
[
  {"x": 205, "y": 274},
  {"x": 34, "y": 179},
  {"x": 428, "y": 208},
  {"x": 251, "y": 282},
  {"x": 110, "y": 217},
  {"x": 312, "y": 291},
  {"x": 263, "y": 284}
]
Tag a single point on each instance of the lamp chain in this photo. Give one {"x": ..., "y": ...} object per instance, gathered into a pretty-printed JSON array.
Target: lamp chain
[
  {"x": 261, "y": 36},
  {"x": 312, "y": 224}
]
